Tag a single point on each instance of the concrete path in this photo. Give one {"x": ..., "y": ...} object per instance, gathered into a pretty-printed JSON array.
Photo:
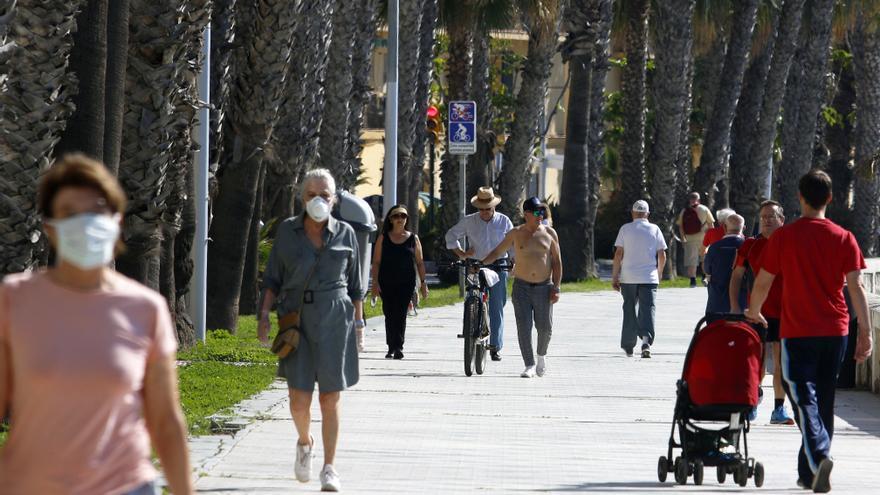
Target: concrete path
[{"x": 597, "y": 421}]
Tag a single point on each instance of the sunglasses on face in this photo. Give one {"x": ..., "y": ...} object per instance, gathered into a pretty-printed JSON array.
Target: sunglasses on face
[
  {"x": 397, "y": 216},
  {"x": 485, "y": 209},
  {"x": 539, "y": 213}
]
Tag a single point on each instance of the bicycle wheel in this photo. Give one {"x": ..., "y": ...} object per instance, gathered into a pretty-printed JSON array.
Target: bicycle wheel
[
  {"x": 470, "y": 322},
  {"x": 480, "y": 347}
]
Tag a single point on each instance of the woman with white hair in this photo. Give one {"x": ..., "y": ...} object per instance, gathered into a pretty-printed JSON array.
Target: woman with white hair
[
  {"x": 313, "y": 269},
  {"x": 715, "y": 234}
]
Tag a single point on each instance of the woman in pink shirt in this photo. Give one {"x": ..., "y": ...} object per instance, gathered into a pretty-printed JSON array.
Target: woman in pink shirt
[{"x": 87, "y": 370}]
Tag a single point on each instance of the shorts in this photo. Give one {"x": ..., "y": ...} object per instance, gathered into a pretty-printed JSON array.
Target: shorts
[
  {"x": 693, "y": 250},
  {"x": 772, "y": 330}
]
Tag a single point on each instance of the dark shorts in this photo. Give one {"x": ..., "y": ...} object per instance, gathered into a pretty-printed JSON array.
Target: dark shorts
[{"x": 772, "y": 330}]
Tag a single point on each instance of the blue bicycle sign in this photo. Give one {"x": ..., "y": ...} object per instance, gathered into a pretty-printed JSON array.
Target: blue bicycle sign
[{"x": 462, "y": 127}]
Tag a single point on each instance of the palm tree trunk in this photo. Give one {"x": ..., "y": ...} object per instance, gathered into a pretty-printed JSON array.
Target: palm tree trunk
[
  {"x": 543, "y": 28},
  {"x": 426, "y": 66},
  {"x": 338, "y": 85},
  {"x": 713, "y": 164},
  {"x": 838, "y": 139},
  {"x": 866, "y": 60},
  {"x": 88, "y": 61},
  {"x": 250, "y": 292},
  {"x": 35, "y": 102},
  {"x": 256, "y": 94},
  {"x": 410, "y": 22},
  {"x": 478, "y": 166},
  {"x": 114, "y": 84},
  {"x": 683, "y": 171},
  {"x": 776, "y": 90},
  {"x": 674, "y": 40},
  {"x": 183, "y": 263},
  {"x": 633, "y": 93},
  {"x": 748, "y": 111},
  {"x": 797, "y": 153},
  {"x": 223, "y": 32}
]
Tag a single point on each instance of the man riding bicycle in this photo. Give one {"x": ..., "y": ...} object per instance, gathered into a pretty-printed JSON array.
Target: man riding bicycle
[{"x": 484, "y": 230}]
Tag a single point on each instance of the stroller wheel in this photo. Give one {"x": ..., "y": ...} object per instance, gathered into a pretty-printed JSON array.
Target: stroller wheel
[
  {"x": 759, "y": 474},
  {"x": 681, "y": 471},
  {"x": 741, "y": 475},
  {"x": 721, "y": 473},
  {"x": 662, "y": 469},
  {"x": 698, "y": 472}
]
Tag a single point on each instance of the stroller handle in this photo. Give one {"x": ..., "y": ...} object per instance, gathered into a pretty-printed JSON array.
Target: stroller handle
[{"x": 711, "y": 317}]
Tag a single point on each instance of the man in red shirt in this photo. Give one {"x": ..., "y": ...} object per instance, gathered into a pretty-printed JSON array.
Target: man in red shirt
[
  {"x": 814, "y": 255},
  {"x": 749, "y": 256},
  {"x": 715, "y": 234}
]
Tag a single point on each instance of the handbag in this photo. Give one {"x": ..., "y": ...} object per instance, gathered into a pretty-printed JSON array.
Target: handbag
[{"x": 287, "y": 339}]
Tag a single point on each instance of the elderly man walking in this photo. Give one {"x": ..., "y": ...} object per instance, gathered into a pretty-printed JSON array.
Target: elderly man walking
[
  {"x": 718, "y": 265},
  {"x": 638, "y": 263},
  {"x": 693, "y": 222}
]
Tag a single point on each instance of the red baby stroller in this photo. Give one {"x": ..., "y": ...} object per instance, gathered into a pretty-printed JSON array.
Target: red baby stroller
[{"x": 718, "y": 386}]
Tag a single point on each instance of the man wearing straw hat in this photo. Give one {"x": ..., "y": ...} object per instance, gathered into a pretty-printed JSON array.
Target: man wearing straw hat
[{"x": 484, "y": 230}]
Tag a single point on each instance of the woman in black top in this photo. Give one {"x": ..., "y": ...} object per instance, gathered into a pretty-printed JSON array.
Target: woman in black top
[{"x": 397, "y": 256}]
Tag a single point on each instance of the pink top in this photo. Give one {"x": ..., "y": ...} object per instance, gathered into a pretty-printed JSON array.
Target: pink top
[{"x": 78, "y": 360}]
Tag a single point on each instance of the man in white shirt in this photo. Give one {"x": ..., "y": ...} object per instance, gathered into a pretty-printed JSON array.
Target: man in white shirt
[
  {"x": 484, "y": 230},
  {"x": 638, "y": 262}
]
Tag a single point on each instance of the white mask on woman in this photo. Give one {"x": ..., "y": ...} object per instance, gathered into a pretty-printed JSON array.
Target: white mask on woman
[
  {"x": 87, "y": 240},
  {"x": 318, "y": 208}
]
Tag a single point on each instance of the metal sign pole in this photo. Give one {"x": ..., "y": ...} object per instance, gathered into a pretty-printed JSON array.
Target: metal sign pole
[{"x": 462, "y": 200}]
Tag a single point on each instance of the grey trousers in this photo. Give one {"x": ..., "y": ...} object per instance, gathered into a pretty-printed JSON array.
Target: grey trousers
[
  {"x": 146, "y": 489},
  {"x": 641, "y": 323},
  {"x": 531, "y": 304}
]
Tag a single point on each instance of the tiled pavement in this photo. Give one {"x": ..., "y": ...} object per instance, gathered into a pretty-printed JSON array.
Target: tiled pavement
[{"x": 595, "y": 423}]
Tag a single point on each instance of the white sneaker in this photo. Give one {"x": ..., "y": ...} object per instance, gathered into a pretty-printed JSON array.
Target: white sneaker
[
  {"x": 329, "y": 479},
  {"x": 303, "y": 466},
  {"x": 359, "y": 332},
  {"x": 542, "y": 366},
  {"x": 529, "y": 372}
]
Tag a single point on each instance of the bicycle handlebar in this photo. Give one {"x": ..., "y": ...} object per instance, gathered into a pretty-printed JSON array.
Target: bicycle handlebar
[{"x": 500, "y": 264}]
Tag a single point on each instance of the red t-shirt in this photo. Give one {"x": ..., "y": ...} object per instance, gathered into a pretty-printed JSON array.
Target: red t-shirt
[
  {"x": 713, "y": 235},
  {"x": 814, "y": 255},
  {"x": 751, "y": 251}
]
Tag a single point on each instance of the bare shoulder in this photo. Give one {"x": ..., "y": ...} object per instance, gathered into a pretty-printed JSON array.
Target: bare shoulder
[{"x": 553, "y": 234}]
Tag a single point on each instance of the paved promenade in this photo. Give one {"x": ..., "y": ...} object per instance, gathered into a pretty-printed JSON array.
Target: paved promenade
[{"x": 596, "y": 422}]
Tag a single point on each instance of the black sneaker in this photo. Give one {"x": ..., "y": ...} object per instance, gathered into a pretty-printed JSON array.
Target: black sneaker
[
  {"x": 496, "y": 356},
  {"x": 389, "y": 355},
  {"x": 693, "y": 283},
  {"x": 822, "y": 478},
  {"x": 398, "y": 355},
  {"x": 629, "y": 352},
  {"x": 646, "y": 351}
]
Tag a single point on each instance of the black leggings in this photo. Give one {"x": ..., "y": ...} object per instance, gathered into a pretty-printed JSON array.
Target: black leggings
[{"x": 395, "y": 301}]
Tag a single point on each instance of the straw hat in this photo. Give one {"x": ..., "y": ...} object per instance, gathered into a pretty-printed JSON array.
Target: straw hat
[{"x": 485, "y": 198}]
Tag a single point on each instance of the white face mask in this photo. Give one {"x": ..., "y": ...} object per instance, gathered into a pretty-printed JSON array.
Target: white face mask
[
  {"x": 318, "y": 208},
  {"x": 87, "y": 240}
]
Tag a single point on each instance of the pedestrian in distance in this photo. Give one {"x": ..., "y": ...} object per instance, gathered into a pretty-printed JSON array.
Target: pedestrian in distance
[
  {"x": 717, "y": 232},
  {"x": 718, "y": 266},
  {"x": 484, "y": 230},
  {"x": 87, "y": 356},
  {"x": 814, "y": 256},
  {"x": 313, "y": 268},
  {"x": 748, "y": 263},
  {"x": 397, "y": 259},
  {"x": 536, "y": 278},
  {"x": 639, "y": 258},
  {"x": 693, "y": 222}
]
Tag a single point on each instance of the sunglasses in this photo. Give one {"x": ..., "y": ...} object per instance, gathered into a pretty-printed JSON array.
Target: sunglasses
[
  {"x": 398, "y": 215},
  {"x": 485, "y": 209},
  {"x": 540, "y": 212}
]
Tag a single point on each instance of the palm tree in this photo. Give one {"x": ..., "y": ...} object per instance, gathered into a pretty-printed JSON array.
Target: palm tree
[
  {"x": 88, "y": 61},
  {"x": 785, "y": 46},
  {"x": 588, "y": 30},
  {"x": 839, "y": 141},
  {"x": 223, "y": 31},
  {"x": 114, "y": 86},
  {"x": 713, "y": 164},
  {"x": 673, "y": 44},
  {"x": 266, "y": 28},
  {"x": 866, "y": 61},
  {"x": 337, "y": 91},
  {"x": 35, "y": 94},
  {"x": 797, "y": 149},
  {"x": 541, "y": 20},
  {"x": 633, "y": 16},
  {"x": 409, "y": 124}
]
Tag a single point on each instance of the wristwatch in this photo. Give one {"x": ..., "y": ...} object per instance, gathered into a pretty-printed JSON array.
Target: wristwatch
[
  {"x": 557, "y": 289},
  {"x": 360, "y": 323}
]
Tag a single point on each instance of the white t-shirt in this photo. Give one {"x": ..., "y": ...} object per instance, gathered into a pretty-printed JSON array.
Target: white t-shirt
[{"x": 640, "y": 241}]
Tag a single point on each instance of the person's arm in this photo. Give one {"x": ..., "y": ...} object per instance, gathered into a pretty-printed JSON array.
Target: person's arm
[
  {"x": 615, "y": 268},
  {"x": 860, "y": 306},
  {"x": 555, "y": 269},
  {"x": 272, "y": 278},
  {"x": 760, "y": 289},
  {"x": 374, "y": 268},
  {"x": 736, "y": 278},
  {"x": 164, "y": 420},
  {"x": 420, "y": 267},
  {"x": 355, "y": 281},
  {"x": 505, "y": 244},
  {"x": 661, "y": 262},
  {"x": 267, "y": 300},
  {"x": 453, "y": 235}
]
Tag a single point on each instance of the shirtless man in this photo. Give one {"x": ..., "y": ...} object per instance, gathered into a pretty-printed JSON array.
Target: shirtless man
[{"x": 536, "y": 277}]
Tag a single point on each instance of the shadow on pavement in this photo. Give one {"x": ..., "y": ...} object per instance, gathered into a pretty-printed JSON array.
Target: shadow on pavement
[
  {"x": 647, "y": 486},
  {"x": 859, "y": 408}
]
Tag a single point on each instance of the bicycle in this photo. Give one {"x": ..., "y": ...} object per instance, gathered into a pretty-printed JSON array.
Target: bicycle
[{"x": 475, "y": 329}]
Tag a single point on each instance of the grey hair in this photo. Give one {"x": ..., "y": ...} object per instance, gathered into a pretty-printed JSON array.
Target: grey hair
[
  {"x": 734, "y": 224},
  {"x": 723, "y": 213},
  {"x": 317, "y": 174}
]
